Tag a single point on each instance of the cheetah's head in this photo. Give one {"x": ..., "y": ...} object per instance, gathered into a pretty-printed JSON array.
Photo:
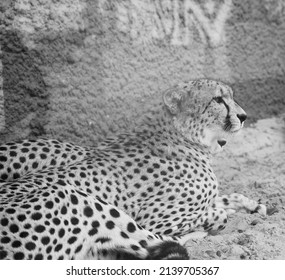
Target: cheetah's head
[{"x": 204, "y": 112}]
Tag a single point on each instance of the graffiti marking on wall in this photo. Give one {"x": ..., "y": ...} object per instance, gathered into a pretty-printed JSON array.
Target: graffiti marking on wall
[{"x": 176, "y": 19}]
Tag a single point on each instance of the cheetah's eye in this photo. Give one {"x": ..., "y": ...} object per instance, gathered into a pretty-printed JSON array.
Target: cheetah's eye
[{"x": 218, "y": 99}]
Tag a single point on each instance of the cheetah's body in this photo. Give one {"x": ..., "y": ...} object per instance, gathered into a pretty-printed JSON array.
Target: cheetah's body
[{"x": 63, "y": 201}]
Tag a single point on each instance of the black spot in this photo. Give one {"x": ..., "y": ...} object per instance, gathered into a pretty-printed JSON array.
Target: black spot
[
  {"x": 76, "y": 230},
  {"x": 93, "y": 231},
  {"x": 221, "y": 227},
  {"x": 95, "y": 224},
  {"x": 143, "y": 243},
  {"x": 14, "y": 228},
  {"x": 48, "y": 250},
  {"x": 39, "y": 257},
  {"x": 16, "y": 244},
  {"x": 48, "y": 216},
  {"x": 35, "y": 165},
  {"x": 136, "y": 171},
  {"x": 40, "y": 228},
  {"x": 225, "y": 201},
  {"x": 144, "y": 178},
  {"x": 58, "y": 247},
  {"x": 27, "y": 226},
  {"x": 24, "y": 234},
  {"x": 73, "y": 157},
  {"x": 36, "y": 216},
  {"x": 45, "y": 194},
  {"x": 63, "y": 210},
  {"x": 49, "y": 204},
  {"x": 168, "y": 231},
  {"x": 74, "y": 221},
  {"x": 5, "y": 240},
  {"x": 16, "y": 165},
  {"x": 22, "y": 159},
  {"x": 98, "y": 206},
  {"x": 37, "y": 207},
  {"x": 13, "y": 154},
  {"x": 30, "y": 246},
  {"x": 135, "y": 247},
  {"x": 3, "y": 255},
  {"x": 100, "y": 200},
  {"x": 45, "y": 240},
  {"x": 78, "y": 249},
  {"x": 43, "y": 156},
  {"x": 131, "y": 227},
  {"x": 72, "y": 239},
  {"x": 34, "y": 237},
  {"x": 61, "y": 194},
  {"x": 32, "y": 156},
  {"x": 110, "y": 225},
  {"x": 74, "y": 199},
  {"x": 10, "y": 210},
  {"x": 56, "y": 221},
  {"x": 128, "y": 163},
  {"x": 137, "y": 185},
  {"x": 88, "y": 212},
  {"x": 82, "y": 193},
  {"x": 62, "y": 183},
  {"x": 102, "y": 240},
  {"x": 61, "y": 232},
  {"x": 114, "y": 213},
  {"x": 46, "y": 150},
  {"x": 19, "y": 256},
  {"x": 170, "y": 168},
  {"x": 3, "y": 158},
  {"x": 124, "y": 235},
  {"x": 4, "y": 222},
  {"x": 4, "y": 176}
]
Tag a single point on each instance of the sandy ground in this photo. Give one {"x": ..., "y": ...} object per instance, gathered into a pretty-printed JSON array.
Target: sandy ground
[{"x": 253, "y": 164}]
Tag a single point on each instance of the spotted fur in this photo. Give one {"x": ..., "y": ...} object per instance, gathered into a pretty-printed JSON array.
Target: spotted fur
[{"x": 132, "y": 196}]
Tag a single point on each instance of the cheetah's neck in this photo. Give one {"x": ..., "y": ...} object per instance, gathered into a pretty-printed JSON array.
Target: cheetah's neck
[{"x": 159, "y": 132}]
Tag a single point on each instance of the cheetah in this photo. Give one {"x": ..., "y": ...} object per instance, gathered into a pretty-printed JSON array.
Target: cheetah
[{"x": 137, "y": 195}]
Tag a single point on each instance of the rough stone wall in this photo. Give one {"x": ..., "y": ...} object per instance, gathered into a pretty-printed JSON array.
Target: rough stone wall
[{"x": 79, "y": 70}]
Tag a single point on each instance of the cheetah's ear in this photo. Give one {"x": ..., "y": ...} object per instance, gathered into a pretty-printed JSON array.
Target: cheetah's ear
[{"x": 172, "y": 98}]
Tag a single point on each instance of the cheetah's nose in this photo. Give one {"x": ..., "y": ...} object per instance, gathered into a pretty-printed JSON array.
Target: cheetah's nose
[
  {"x": 242, "y": 117},
  {"x": 222, "y": 142}
]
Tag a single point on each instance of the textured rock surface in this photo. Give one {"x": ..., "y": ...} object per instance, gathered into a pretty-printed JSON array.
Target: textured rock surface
[{"x": 79, "y": 70}]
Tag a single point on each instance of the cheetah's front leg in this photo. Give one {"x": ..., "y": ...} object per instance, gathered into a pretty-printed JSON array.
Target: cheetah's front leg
[
  {"x": 214, "y": 219},
  {"x": 235, "y": 202}
]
